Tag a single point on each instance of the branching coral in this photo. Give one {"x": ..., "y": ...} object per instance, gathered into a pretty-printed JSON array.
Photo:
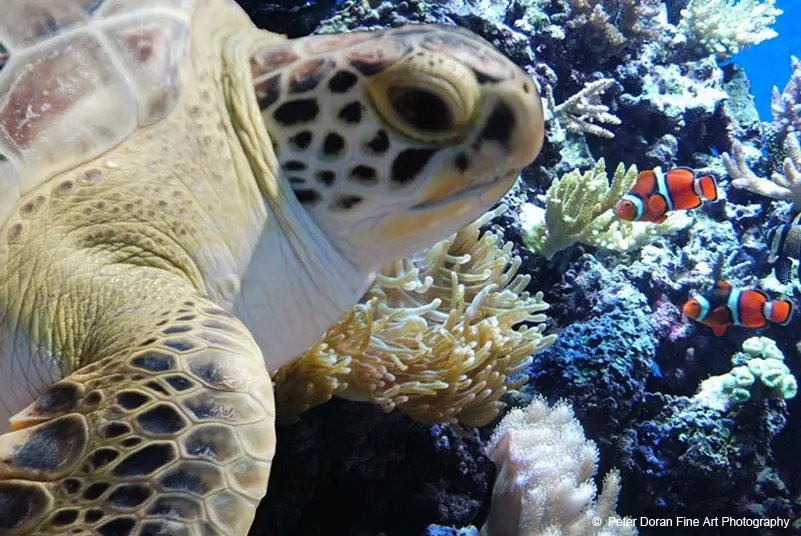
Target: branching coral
[
  {"x": 440, "y": 336},
  {"x": 724, "y": 27},
  {"x": 784, "y": 186},
  {"x": 545, "y": 482},
  {"x": 614, "y": 23},
  {"x": 786, "y": 106},
  {"x": 583, "y": 112},
  {"x": 581, "y": 208}
]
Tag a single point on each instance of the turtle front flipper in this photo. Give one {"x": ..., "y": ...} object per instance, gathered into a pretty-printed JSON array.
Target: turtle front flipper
[{"x": 172, "y": 435}]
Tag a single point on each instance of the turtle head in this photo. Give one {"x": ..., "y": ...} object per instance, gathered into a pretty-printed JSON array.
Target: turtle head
[{"x": 395, "y": 139}]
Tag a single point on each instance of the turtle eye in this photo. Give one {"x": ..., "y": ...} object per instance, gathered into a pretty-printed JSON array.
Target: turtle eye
[
  {"x": 427, "y": 97},
  {"x": 422, "y": 109}
]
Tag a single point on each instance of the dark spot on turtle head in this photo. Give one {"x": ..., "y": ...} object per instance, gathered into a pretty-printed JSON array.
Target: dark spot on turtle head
[
  {"x": 297, "y": 111},
  {"x": 146, "y": 460},
  {"x": 500, "y": 124},
  {"x": 409, "y": 163},
  {"x": 129, "y": 495},
  {"x": 154, "y": 361},
  {"x": 119, "y": 526},
  {"x": 369, "y": 68},
  {"x": 346, "y": 202},
  {"x": 342, "y": 81},
  {"x": 294, "y": 165},
  {"x": 308, "y": 197},
  {"x": 326, "y": 177},
  {"x": 363, "y": 175},
  {"x": 18, "y": 502},
  {"x": 462, "y": 162},
  {"x": 308, "y": 74},
  {"x": 380, "y": 142},
  {"x": 60, "y": 398},
  {"x": 333, "y": 144},
  {"x": 162, "y": 419},
  {"x": 351, "y": 112},
  {"x": 132, "y": 399},
  {"x": 302, "y": 139}
]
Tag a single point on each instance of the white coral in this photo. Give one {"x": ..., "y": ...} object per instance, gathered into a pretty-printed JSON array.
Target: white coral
[
  {"x": 724, "y": 27},
  {"x": 785, "y": 186},
  {"x": 545, "y": 482}
]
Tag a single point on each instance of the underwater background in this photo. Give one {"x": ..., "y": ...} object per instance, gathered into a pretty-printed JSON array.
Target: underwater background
[{"x": 642, "y": 321}]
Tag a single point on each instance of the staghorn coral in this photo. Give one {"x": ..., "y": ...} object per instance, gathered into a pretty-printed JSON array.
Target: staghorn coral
[
  {"x": 784, "y": 186},
  {"x": 545, "y": 482},
  {"x": 581, "y": 208},
  {"x": 724, "y": 27},
  {"x": 610, "y": 26},
  {"x": 583, "y": 112},
  {"x": 439, "y": 336},
  {"x": 786, "y": 106}
]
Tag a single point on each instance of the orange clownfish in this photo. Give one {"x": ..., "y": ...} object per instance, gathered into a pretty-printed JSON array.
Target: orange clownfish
[
  {"x": 726, "y": 306},
  {"x": 656, "y": 193}
]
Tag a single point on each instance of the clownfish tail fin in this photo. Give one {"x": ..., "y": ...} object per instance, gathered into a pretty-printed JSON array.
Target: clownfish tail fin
[
  {"x": 779, "y": 311},
  {"x": 708, "y": 188}
]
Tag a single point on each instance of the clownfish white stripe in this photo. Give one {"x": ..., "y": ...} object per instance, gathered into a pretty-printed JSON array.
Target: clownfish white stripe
[
  {"x": 637, "y": 202},
  {"x": 662, "y": 188},
  {"x": 704, "y": 303},
  {"x": 733, "y": 304}
]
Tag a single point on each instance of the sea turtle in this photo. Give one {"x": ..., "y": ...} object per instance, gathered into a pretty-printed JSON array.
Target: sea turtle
[{"x": 188, "y": 202}]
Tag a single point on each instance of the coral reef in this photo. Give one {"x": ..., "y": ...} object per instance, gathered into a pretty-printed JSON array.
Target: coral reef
[{"x": 693, "y": 460}]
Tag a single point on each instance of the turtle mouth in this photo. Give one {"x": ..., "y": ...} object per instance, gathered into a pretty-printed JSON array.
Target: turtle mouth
[{"x": 486, "y": 194}]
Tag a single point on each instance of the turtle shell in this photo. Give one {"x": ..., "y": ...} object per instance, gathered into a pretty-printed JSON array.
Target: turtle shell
[{"x": 78, "y": 77}]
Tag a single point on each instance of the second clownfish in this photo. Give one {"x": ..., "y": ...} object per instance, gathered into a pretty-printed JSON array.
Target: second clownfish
[
  {"x": 656, "y": 193},
  {"x": 727, "y": 306}
]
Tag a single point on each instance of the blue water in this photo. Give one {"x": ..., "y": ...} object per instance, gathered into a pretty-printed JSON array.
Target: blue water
[{"x": 768, "y": 63}]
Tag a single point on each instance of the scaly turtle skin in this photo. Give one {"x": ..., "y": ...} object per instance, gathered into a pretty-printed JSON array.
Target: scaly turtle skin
[{"x": 189, "y": 202}]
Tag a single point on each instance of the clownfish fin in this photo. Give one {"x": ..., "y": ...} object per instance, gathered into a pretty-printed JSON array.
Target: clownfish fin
[
  {"x": 782, "y": 269},
  {"x": 646, "y": 175},
  {"x": 722, "y": 285},
  {"x": 719, "y": 330},
  {"x": 657, "y": 206},
  {"x": 660, "y": 219},
  {"x": 779, "y": 311},
  {"x": 720, "y": 315},
  {"x": 707, "y": 188}
]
